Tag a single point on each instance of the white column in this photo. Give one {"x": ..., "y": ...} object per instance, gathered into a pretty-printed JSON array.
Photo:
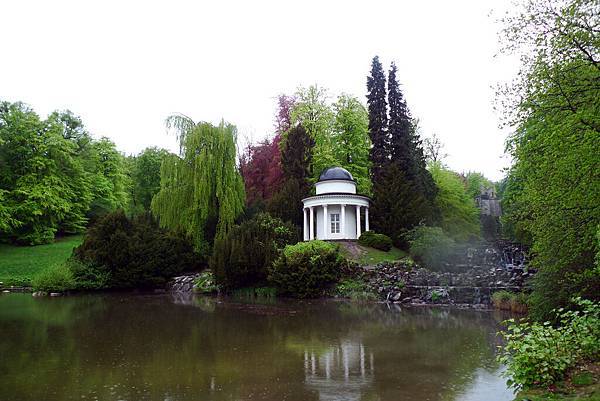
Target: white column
[
  {"x": 325, "y": 221},
  {"x": 304, "y": 227},
  {"x": 357, "y": 221},
  {"x": 311, "y": 229},
  {"x": 343, "y": 221},
  {"x": 367, "y": 218}
]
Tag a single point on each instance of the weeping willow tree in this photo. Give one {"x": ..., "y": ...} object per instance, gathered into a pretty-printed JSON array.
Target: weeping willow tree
[{"x": 201, "y": 190}]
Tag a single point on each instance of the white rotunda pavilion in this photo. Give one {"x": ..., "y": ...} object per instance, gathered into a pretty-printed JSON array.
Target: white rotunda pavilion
[{"x": 334, "y": 213}]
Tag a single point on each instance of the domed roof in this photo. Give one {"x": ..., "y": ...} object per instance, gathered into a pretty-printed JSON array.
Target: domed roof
[{"x": 336, "y": 173}]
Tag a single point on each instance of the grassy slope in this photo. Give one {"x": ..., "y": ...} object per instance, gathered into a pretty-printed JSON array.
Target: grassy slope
[
  {"x": 369, "y": 256},
  {"x": 18, "y": 264}
]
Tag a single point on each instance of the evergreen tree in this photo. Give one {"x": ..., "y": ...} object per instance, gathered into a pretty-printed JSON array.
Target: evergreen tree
[
  {"x": 296, "y": 160},
  {"x": 378, "y": 120},
  {"x": 396, "y": 204},
  {"x": 400, "y": 128},
  {"x": 406, "y": 151},
  {"x": 403, "y": 189}
]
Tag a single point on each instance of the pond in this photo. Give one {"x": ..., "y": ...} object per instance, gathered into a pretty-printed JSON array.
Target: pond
[{"x": 159, "y": 347}]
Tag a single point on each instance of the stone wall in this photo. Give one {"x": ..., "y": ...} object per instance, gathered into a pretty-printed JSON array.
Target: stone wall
[{"x": 407, "y": 283}]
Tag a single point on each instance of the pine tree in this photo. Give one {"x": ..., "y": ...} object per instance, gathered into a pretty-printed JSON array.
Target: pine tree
[{"x": 378, "y": 120}]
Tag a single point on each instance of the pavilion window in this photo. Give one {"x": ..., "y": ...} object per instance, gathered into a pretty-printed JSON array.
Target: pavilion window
[{"x": 335, "y": 223}]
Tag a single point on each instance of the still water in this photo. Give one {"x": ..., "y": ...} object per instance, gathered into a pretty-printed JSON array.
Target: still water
[{"x": 156, "y": 347}]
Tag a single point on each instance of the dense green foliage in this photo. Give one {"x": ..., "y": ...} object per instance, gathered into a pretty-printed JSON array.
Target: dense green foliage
[
  {"x": 145, "y": 177},
  {"x": 403, "y": 189},
  {"x": 431, "y": 246},
  {"x": 506, "y": 300},
  {"x": 242, "y": 257},
  {"x": 475, "y": 183},
  {"x": 396, "y": 206},
  {"x": 18, "y": 264},
  {"x": 201, "y": 190},
  {"x": 459, "y": 217},
  {"x": 72, "y": 274},
  {"x": 374, "y": 240},
  {"x": 351, "y": 139},
  {"x": 340, "y": 133},
  {"x": 539, "y": 354},
  {"x": 57, "y": 278},
  {"x": 133, "y": 252},
  {"x": 53, "y": 175},
  {"x": 313, "y": 112},
  {"x": 354, "y": 289},
  {"x": 87, "y": 276},
  {"x": 307, "y": 269},
  {"x": 552, "y": 194},
  {"x": 296, "y": 159},
  {"x": 205, "y": 283}
]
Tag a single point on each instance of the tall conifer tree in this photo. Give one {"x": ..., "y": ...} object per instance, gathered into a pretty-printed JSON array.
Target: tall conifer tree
[
  {"x": 400, "y": 127},
  {"x": 378, "y": 120},
  {"x": 403, "y": 190},
  {"x": 407, "y": 152}
]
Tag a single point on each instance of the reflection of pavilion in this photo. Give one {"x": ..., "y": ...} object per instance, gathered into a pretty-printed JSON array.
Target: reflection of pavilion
[{"x": 341, "y": 373}]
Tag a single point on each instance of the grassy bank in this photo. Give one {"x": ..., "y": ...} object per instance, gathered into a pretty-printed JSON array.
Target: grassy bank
[
  {"x": 18, "y": 264},
  {"x": 369, "y": 256}
]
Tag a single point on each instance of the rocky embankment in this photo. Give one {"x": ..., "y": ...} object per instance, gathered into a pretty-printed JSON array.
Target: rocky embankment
[
  {"x": 182, "y": 284},
  {"x": 405, "y": 282}
]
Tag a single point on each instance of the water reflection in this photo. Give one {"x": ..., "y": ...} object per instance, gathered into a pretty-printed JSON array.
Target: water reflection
[
  {"x": 135, "y": 347},
  {"x": 341, "y": 373}
]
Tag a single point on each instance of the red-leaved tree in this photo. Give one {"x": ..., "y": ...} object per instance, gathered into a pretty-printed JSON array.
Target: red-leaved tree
[{"x": 261, "y": 163}]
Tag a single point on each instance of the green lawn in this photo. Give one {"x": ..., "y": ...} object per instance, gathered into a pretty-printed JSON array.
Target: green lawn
[
  {"x": 369, "y": 256},
  {"x": 18, "y": 264}
]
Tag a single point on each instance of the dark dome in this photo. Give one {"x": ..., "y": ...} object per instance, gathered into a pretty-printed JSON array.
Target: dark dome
[{"x": 336, "y": 173}]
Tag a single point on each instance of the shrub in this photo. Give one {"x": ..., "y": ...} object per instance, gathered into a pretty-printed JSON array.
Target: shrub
[
  {"x": 501, "y": 299},
  {"x": 431, "y": 247},
  {"x": 205, "y": 283},
  {"x": 354, "y": 289},
  {"x": 57, "y": 278},
  {"x": 518, "y": 302},
  {"x": 135, "y": 252},
  {"x": 307, "y": 269},
  {"x": 242, "y": 258},
  {"x": 86, "y": 275},
  {"x": 374, "y": 240},
  {"x": 538, "y": 354}
]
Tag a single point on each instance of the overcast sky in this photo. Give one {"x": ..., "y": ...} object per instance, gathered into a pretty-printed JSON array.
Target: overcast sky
[{"x": 124, "y": 66}]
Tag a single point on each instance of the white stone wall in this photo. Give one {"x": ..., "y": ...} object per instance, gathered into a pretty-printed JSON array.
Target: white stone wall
[{"x": 335, "y": 186}]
